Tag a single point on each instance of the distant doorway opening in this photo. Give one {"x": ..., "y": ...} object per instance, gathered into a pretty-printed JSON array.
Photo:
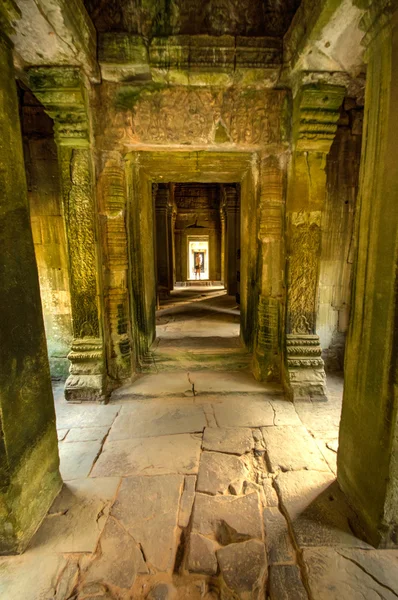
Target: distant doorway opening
[{"x": 198, "y": 259}]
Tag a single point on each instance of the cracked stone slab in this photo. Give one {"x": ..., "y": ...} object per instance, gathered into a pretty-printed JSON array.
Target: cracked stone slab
[
  {"x": 155, "y": 418},
  {"x": 285, "y": 583},
  {"x": 317, "y": 509},
  {"x": 285, "y": 413},
  {"x": 77, "y": 516},
  {"x": 243, "y": 411},
  {"x": 228, "y": 518},
  {"x": 243, "y": 568},
  {"x": 61, "y": 433},
  {"x": 348, "y": 574},
  {"x": 147, "y": 507},
  {"x": 201, "y": 555},
  {"x": 320, "y": 418},
  {"x": 231, "y": 441},
  {"x": 279, "y": 545},
  {"x": 118, "y": 558},
  {"x": 218, "y": 471},
  {"x": 86, "y": 434},
  {"x": 292, "y": 449},
  {"x": 187, "y": 498},
  {"x": 149, "y": 456},
  {"x": 77, "y": 458},
  {"x": 271, "y": 497}
]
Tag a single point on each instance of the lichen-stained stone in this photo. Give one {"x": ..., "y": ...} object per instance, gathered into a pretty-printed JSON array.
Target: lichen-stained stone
[
  {"x": 285, "y": 583},
  {"x": 243, "y": 568},
  {"x": 156, "y": 418},
  {"x": 77, "y": 516},
  {"x": 147, "y": 507},
  {"x": 149, "y": 456},
  {"x": 217, "y": 471},
  {"x": 77, "y": 458},
  {"x": 317, "y": 509},
  {"x": 201, "y": 555},
  {"x": 348, "y": 574},
  {"x": 292, "y": 449},
  {"x": 118, "y": 558},
  {"x": 187, "y": 498},
  {"x": 232, "y": 441},
  {"x": 279, "y": 546},
  {"x": 244, "y": 412},
  {"x": 229, "y": 518}
]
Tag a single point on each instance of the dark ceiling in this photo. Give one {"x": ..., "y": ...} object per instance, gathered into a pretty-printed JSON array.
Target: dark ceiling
[{"x": 151, "y": 18}]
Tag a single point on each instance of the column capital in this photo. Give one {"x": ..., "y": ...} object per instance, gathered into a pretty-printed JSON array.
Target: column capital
[
  {"x": 63, "y": 93},
  {"x": 315, "y": 116}
]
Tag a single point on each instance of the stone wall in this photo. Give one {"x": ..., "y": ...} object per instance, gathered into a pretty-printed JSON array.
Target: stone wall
[{"x": 48, "y": 229}]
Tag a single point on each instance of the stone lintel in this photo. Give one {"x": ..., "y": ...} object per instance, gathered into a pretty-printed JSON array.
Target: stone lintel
[{"x": 307, "y": 379}]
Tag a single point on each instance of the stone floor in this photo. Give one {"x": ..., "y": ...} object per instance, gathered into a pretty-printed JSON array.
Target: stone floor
[{"x": 199, "y": 485}]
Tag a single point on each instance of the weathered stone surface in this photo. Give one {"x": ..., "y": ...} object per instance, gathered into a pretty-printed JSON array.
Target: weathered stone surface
[
  {"x": 153, "y": 419},
  {"x": 271, "y": 497},
  {"x": 344, "y": 574},
  {"x": 229, "y": 518},
  {"x": 279, "y": 545},
  {"x": 86, "y": 434},
  {"x": 285, "y": 413},
  {"x": 162, "y": 591},
  {"x": 292, "y": 448},
  {"x": 201, "y": 555},
  {"x": 243, "y": 566},
  {"x": 152, "y": 456},
  {"x": 77, "y": 458},
  {"x": 322, "y": 418},
  {"x": 244, "y": 412},
  {"x": 187, "y": 498},
  {"x": 147, "y": 507},
  {"x": 317, "y": 509},
  {"x": 218, "y": 471},
  {"x": 285, "y": 583},
  {"x": 61, "y": 433},
  {"x": 77, "y": 517},
  {"x": 79, "y": 415},
  {"x": 231, "y": 441},
  {"x": 118, "y": 558}
]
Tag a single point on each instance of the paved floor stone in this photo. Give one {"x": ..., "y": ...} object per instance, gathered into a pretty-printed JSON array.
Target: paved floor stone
[
  {"x": 243, "y": 567},
  {"x": 187, "y": 499},
  {"x": 291, "y": 448},
  {"x": 86, "y": 434},
  {"x": 285, "y": 413},
  {"x": 285, "y": 583},
  {"x": 243, "y": 411},
  {"x": 147, "y": 507},
  {"x": 77, "y": 458},
  {"x": 232, "y": 441},
  {"x": 201, "y": 555},
  {"x": 149, "y": 456},
  {"x": 217, "y": 472},
  {"x": 83, "y": 415},
  {"x": 279, "y": 545}
]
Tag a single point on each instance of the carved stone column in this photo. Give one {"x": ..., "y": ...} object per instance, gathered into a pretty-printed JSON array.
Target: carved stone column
[
  {"x": 315, "y": 116},
  {"x": 368, "y": 446},
  {"x": 232, "y": 209},
  {"x": 64, "y": 96},
  {"x": 29, "y": 475},
  {"x": 222, "y": 219},
  {"x": 170, "y": 245},
  {"x": 163, "y": 224}
]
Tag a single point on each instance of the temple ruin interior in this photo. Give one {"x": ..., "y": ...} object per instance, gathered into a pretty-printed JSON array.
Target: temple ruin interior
[{"x": 199, "y": 300}]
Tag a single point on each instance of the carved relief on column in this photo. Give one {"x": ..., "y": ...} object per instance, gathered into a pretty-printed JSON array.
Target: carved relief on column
[{"x": 117, "y": 311}]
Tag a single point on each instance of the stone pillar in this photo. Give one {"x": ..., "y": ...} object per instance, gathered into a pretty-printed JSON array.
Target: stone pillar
[
  {"x": 368, "y": 445},
  {"x": 170, "y": 236},
  {"x": 232, "y": 206},
  {"x": 63, "y": 94},
  {"x": 29, "y": 475},
  {"x": 315, "y": 116},
  {"x": 163, "y": 223},
  {"x": 222, "y": 219}
]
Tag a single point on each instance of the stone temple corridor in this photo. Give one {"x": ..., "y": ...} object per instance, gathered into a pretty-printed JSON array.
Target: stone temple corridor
[{"x": 198, "y": 300}]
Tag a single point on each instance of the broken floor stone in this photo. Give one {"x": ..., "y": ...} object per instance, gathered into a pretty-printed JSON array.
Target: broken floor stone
[
  {"x": 292, "y": 449},
  {"x": 243, "y": 411},
  {"x": 157, "y": 418},
  {"x": 86, "y": 434},
  {"x": 149, "y": 456},
  {"x": 229, "y": 440},
  {"x": 77, "y": 458},
  {"x": 243, "y": 567},
  {"x": 218, "y": 471},
  {"x": 348, "y": 574},
  {"x": 201, "y": 555},
  {"x": 279, "y": 545},
  {"x": 285, "y": 584},
  {"x": 147, "y": 507},
  {"x": 118, "y": 558},
  {"x": 271, "y": 497},
  {"x": 162, "y": 591},
  {"x": 77, "y": 516},
  {"x": 317, "y": 509},
  {"x": 229, "y": 518},
  {"x": 187, "y": 499}
]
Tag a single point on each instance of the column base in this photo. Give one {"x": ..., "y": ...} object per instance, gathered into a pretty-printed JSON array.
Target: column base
[
  {"x": 306, "y": 377},
  {"x": 86, "y": 382},
  {"x": 30, "y": 491}
]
